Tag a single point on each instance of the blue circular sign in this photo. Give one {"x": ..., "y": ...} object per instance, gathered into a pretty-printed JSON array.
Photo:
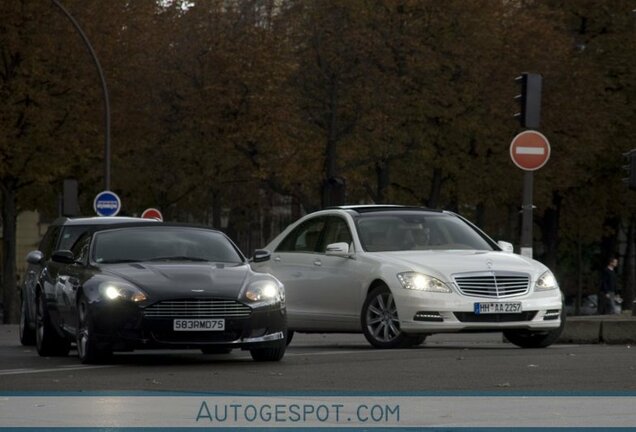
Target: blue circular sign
[{"x": 107, "y": 203}]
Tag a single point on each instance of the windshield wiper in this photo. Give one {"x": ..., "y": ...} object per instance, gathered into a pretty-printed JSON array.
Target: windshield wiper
[{"x": 178, "y": 258}]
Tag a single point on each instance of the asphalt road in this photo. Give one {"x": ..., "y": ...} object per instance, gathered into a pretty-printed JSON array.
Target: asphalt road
[{"x": 340, "y": 363}]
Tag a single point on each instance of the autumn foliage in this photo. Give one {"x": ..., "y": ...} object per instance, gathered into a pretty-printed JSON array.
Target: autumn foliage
[{"x": 224, "y": 112}]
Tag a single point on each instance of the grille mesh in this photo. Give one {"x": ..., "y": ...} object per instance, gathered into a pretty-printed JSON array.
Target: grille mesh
[
  {"x": 198, "y": 308},
  {"x": 493, "y": 284}
]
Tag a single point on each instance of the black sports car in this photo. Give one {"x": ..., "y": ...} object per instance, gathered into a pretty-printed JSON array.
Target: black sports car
[{"x": 152, "y": 286}]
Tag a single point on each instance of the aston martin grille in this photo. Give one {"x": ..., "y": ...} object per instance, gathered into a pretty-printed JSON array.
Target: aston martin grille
[
  {"x": 198, "y": 308},
  {"x": 493, "y": 284}
]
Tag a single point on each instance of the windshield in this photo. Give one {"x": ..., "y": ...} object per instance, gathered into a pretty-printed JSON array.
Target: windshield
[
  {"x": 163, "y": 244},
  {"x": 409, "y": 230}
]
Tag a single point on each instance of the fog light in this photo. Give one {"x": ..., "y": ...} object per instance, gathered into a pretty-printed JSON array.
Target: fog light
[
  {"x": 552, "y": 315},
  {"x": 428, "y": 316}
]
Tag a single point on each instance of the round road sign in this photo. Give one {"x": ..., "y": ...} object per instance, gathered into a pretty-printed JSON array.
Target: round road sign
[
  {"x": 530, "y": 150},
  {"x": 107, "y": 203},
  {"x": 152, "y": 213}
]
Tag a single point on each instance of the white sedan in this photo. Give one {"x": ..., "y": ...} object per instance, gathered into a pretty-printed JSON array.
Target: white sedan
[{"x": 398, "y": 274}]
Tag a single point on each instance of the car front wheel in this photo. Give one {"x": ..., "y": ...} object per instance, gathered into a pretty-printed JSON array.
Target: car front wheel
[
  {"x": 271, "y": 354},
  {"x": 88, "y": 348},
  {"x": 535, "y": 339},
  {"x": 47, "y": 341},
  {"x": 290, "y": 336},
  {"x": 380, "y": 321}
]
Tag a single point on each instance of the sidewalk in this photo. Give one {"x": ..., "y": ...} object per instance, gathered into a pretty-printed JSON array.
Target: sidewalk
[{"x": 608, "y": 329}]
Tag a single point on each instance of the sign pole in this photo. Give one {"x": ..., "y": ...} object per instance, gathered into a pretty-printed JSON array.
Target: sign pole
[
  {"x": 527, "y": 221},
  {"x": 529, "y": 150}
]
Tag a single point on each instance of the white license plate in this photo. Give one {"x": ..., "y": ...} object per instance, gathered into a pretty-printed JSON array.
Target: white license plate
[
  {"x": 492, "y": 308},
  {"x": 198, "y": 325}
]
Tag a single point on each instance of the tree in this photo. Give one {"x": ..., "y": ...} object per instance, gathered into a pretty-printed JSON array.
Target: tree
[{"x": 41, "y": 117}]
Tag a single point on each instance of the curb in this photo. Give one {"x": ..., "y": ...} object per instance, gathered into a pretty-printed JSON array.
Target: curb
[{"x": 610, "y": 329}]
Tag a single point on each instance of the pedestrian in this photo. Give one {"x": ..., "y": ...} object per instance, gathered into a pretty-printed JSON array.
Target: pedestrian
[{"x": 608, "y": 288}]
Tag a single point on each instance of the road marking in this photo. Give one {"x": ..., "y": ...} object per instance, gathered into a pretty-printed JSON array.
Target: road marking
[
  {"x": 58, "y": 369},
  {"x": 530, "y": 150}
]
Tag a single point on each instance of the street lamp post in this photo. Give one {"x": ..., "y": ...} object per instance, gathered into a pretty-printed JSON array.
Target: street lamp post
[{"x": 104, "y": 90}]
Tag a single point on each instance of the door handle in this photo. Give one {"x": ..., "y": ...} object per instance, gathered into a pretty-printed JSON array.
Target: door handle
[
  {"x": 277, "y": 259},
  {"x": 318, "y": 263}
]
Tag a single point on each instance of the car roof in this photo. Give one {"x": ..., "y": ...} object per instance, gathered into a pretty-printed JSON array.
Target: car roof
[
  {"x": 114, "y": 227},
  {"x": 371, "y": 208},
  {"x": 101, "y": 220}
]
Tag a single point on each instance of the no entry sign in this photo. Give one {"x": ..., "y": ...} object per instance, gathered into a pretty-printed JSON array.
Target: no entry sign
[
  {"x": 152, "y": 213},
  {"x": 530, "y": 150}
]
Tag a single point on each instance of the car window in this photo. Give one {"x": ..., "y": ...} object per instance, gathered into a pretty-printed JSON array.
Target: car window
[
  {"x": 306, "y": 237},
  {"x": 70, "y": 234},
  {"x": 48, "y": 241},
  {"x": 337, "y": 232},
  {"x": 417, "y": 231},
  {"x": 163, "y": 244},
  {"x": 81, "y": 248}
]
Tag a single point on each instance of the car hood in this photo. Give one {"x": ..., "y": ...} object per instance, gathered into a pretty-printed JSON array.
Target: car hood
[
  {"x": 446, "y": 263},
  {"x": 173, "y": 280}
]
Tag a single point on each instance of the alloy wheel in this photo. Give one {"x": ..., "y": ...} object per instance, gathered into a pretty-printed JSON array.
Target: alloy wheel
[{"x": 382, "y": 318}]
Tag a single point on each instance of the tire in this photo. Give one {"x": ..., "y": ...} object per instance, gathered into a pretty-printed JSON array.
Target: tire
[
  {"x": 216, "y": 350},
  {"x": 47, "y": 341},
  {"x": 530, "y": 339},
  {"x": 89, "y": 350},
  {"x": 415, "y": 340},
  {"x": 290, "y": 336},
  {"x": 380, "y": 321},
  {"x": 27, "y": 334},
  {"x": 269, "y": 354}
]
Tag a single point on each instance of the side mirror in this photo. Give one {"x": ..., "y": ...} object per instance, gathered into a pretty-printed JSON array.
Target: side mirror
[
  {"x": 35, "y": 257},
  {"x": 338, "y": 249},
  {"x": 506, "y": 247},
  {"x": 63, "y": 256},
  {"x": 261, "y": 255}
]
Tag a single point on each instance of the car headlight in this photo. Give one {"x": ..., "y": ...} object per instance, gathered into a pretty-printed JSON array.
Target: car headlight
[
  {"x": 121, "y": 291},
  {"x": 422, "y": 282},
  {"x": 546, "y": 281},
  {"x": 264, "y": 291}
]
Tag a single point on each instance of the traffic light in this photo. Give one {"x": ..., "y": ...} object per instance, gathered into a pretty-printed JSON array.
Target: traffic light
[
  {"x": 529, "y": 100},
  {"x": 631, "y": 169}
]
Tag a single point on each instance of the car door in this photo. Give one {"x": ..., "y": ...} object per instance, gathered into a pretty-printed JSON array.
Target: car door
[
  {"x": 34, "y": 271},
  {"x": 336, "y": 297},
  {"x": 70, "y": 278},
  {"x": 293, "y": 262}
]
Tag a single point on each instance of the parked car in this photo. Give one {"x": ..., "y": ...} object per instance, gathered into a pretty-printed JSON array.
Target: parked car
[
  {"x": 589, "y": 305},
  {"x": 152, "y": 286},
  {"x": 61, "y": 234},
  {"x": 398, "y": 274}
]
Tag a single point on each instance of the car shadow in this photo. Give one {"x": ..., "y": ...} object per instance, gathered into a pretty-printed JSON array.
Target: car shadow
[
  {"x": 426, "y": 346},
  {"x": 180, "y": 358}
]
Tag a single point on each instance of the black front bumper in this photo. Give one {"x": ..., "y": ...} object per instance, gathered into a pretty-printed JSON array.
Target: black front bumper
[{"x": 124, "y": 326}]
